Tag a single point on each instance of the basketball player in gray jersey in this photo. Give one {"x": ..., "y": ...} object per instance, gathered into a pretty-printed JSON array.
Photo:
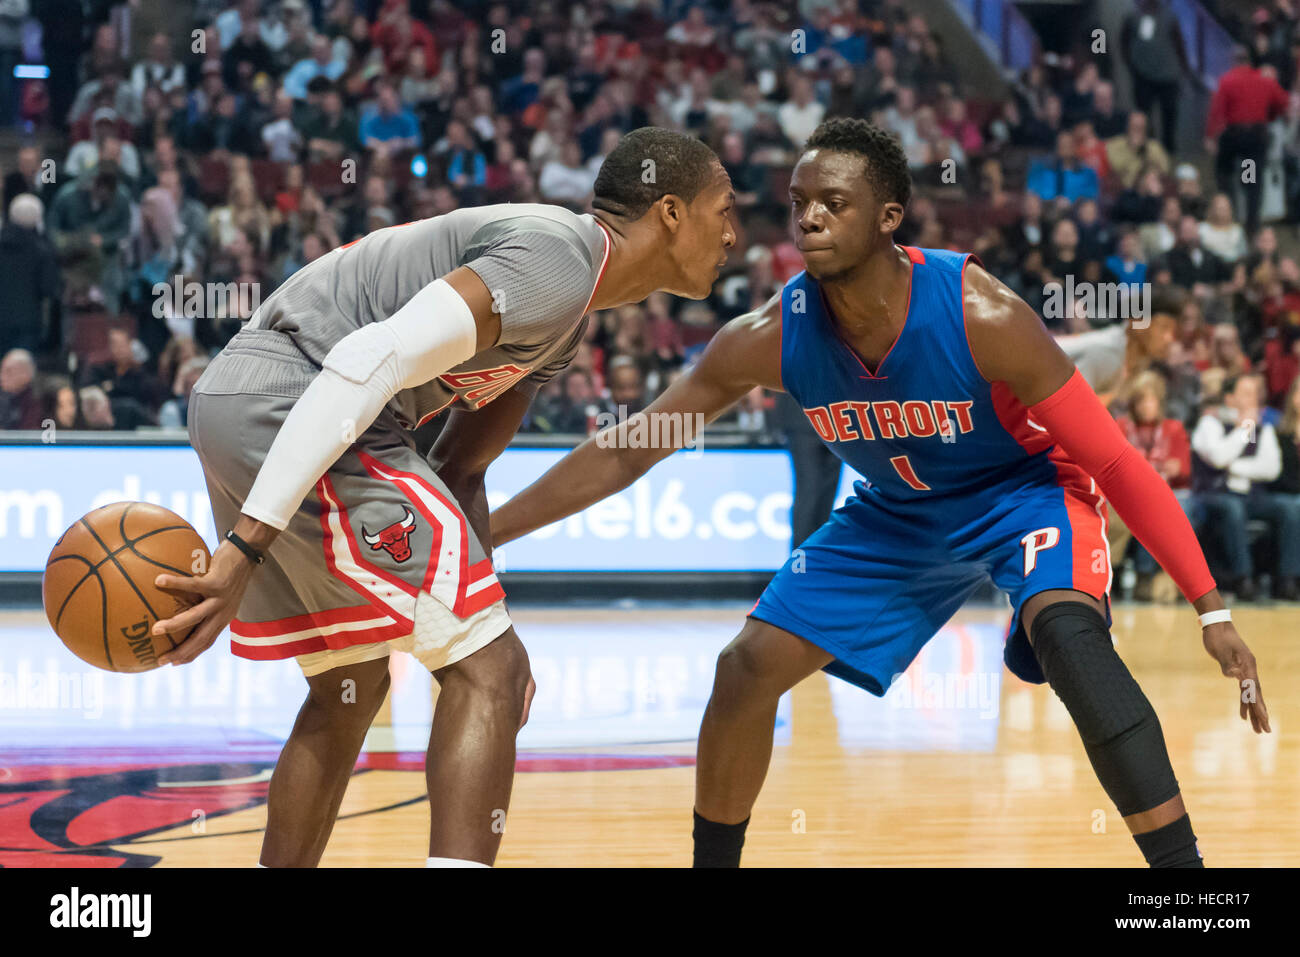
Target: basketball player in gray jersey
[{"x": 341, "y": 541}]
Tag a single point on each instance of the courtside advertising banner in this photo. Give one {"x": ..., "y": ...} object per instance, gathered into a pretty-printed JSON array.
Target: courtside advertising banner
[{"x": 723, "y": 510}]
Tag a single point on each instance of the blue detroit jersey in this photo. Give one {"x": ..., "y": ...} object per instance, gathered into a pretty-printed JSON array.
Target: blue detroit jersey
[
  {"x": 964, "y": 488},
  {"x": 925, "y": 423}
]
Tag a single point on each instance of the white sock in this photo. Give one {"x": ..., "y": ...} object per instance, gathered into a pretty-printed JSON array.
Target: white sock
[
  {"x": 452, "y": 862},
  {"x": 259, "y": 864}
]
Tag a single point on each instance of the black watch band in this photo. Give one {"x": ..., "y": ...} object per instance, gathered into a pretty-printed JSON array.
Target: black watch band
[{"x": 253, "y": 554}]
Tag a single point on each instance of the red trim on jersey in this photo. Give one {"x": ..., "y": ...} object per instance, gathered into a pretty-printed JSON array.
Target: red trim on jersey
[
  {"x": 358, "y": 556},
  {"x": 309, "y": 645},
  {"x": 429, "y": 415},
  {"x": 1014, "y": 418},
  {"x": 484, "y": 385},
  {"x": 1069, "y": 473},
  {"x": 312, "y": 619},
  {"x": 359, "y": 238},
  {"x": 378, "y": 470},
  {"x": 604, "y": 263},
  {"x": 328, "y": 497},
  {"x": 381, "y": 631},
  {"x": 1092, "y": 439},
  {"x": 290, "y": 649},
  {"x": 485, "y": 596},
  {"x": 609, "y": 245},
  {"x": 389, "y": 622},
  {"x": 1082, "y": 501},
  {"x": 1087, "y": 517},
  {"x": 914, "y": 254},
  {"x": 906, "y": 312},
  {"x": 435, "y": 527},
  {"x": 466, "y": 575},
  {"x": 473, "y": 603}
]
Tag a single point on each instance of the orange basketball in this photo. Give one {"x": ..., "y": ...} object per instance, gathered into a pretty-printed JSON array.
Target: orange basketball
[{"x": 98, "y": 587}]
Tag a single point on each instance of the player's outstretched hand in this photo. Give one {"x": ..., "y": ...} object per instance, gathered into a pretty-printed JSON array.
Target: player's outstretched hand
[
  {"x": 217, "y": 593},
  {"x": 1226, "y": 647}
]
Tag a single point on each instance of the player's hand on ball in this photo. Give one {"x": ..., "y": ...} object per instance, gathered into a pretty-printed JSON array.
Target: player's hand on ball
[
  {"x": 217, "y": 593},
  {"x": 1235, "y": 659}
]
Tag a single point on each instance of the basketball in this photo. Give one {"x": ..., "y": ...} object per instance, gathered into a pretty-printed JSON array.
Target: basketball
[{"x": 98, "y": 587}]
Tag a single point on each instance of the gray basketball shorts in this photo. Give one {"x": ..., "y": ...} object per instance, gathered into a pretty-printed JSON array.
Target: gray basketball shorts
[{"x": 379, "y": 555}]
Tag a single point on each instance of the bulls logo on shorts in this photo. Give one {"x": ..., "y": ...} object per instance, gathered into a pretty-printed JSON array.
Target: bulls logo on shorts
[{"x": 394, "y": 539}]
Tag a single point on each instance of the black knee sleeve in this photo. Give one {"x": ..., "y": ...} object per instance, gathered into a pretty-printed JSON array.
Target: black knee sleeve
[{"x": 1120, "y": 731}]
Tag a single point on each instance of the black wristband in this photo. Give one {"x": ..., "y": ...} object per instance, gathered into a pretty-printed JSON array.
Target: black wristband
[{"x": 253, "y": 554}]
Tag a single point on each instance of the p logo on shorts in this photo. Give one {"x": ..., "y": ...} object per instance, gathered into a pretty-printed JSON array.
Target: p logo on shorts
[{"x": 1037, "y": 541}]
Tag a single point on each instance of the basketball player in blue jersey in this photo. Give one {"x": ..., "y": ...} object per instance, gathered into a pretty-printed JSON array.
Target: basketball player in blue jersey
[{"x": 986, "y": 456}]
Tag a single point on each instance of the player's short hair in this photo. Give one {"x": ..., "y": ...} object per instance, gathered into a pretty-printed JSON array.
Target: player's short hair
[
  {"x": 886, "y": 163},
  {"x": 626, "y": 186}
]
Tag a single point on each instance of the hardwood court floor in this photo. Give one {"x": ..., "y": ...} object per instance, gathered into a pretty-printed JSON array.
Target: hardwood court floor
[{"x": 960, "y": 765}]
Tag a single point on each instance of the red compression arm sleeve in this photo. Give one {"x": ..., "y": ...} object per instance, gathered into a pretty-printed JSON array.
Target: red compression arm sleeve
[{"x": 1078, "y": 421}]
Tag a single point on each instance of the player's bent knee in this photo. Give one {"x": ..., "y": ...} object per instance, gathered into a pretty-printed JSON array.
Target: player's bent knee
[
  {"x": 1119, "y": 728},
  {"x": 497, "y": 674},
  {"x": 763, "y": 662},
  {"x": 350, "y": 693},
  {"x": 1074, "y": 648},
  {"x": 1053, "y": 596},
  {"x": 745, "y": 671}
]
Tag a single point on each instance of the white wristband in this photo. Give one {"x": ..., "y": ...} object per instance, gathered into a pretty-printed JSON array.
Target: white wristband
[{"x": 1214, "y": 617}]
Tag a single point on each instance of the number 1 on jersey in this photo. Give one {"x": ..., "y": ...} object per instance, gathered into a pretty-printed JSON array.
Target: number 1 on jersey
[{"x": 907, "y": 474}]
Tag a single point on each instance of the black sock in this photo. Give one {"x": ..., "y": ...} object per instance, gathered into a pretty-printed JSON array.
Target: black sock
[
  {"x": 718, "y": 845},
  {"x": 1173, "y": 845}
]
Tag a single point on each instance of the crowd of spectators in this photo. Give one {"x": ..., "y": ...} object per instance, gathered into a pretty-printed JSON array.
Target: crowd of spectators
[{"x": 287, "y": 127}]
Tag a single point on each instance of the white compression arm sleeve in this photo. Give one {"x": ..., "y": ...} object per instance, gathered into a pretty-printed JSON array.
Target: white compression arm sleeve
[{"x": 433, "y": 332}]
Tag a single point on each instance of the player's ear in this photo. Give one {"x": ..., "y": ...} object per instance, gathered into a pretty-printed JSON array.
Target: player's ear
[
  {"x": 671, "y": 210},
  {"x": 891, "y": 217}
]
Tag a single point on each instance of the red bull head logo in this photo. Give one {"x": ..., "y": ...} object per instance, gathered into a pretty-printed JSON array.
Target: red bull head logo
[{"x": 395, "y": 539}]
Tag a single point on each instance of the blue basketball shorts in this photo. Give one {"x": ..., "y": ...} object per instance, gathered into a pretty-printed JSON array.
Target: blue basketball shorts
[{"x": 879, "y": 579}]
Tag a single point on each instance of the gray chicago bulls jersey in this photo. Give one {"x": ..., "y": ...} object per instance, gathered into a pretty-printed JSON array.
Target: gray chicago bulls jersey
[{"x": 541, "y": 264}]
